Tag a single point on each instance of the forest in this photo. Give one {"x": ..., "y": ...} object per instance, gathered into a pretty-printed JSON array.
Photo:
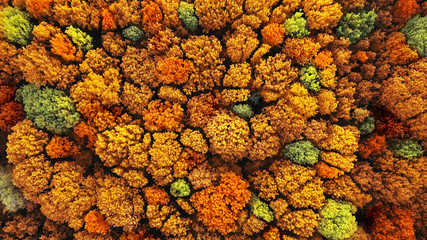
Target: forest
[{"x": 213, "y": 119}]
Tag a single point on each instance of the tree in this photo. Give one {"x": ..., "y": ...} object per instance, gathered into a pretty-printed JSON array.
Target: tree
[
  {"x": 345, "y": 188},
  {"x": 299, "y": 184},
  {"x": 70, "y": 195},
  {"x": 180, "y": 188},
  {"x": 238, "y": 75},
  {"x": 301, "y": 50},
  {"x": 264, "y": 141},
  {"x": 152, "y": 17},
  {"x": 416, "y": 34},
  {"x": 39, "y": 8},
  {"x": 114, "y": 44},
  {"x": 260, "y": 9},
  {"x": 260, "y": 209},
  {"x": 80, "y": 13},
  {"x": 273, "y": 34},
  {"x": 63, "y": 47},
  {"x": 122, "y": 13},
  {"x": 402, "y": 93},
  {"x": 82, "y": 40},
  {"x": 172, "y": 94},
  {"x": 367, "y": 126},
  {"x": 97, "y": 61},
  {"x": 32, "y": 176},
  {"x": 341, "y": 139},
  {"x": 218, "y": 207},
  {"x": 228, "y": 136},
  {"x": 296, "y": 26},
  {"x": 205, "y": 53},
  {"x": 324, "y": 59},
  {"x": 407, "y": 148},
  {"x": 103, "y": 88},
  {"x": 173, "y": 70},
  {"x": 10, "y": 196},
  {"x": 391, "y": 178},
  {"x": 356, "y": 26},
  {"x": 136, "y": 98},
  {"x": 337, "y": 220},
  {"x": 165, "y": 152},
  {"x": 244, "y": 41},
  {"x": 114, "y": 146},
  {"x": 328, "y": 102},
  {"x": 11, "y": 112},
  {"x": 372, "y": 146},
  {"x": 95, "y": 223},
  {"x": 242, "y": 110},
  {"x": 15, "y": 25},
  {"x": 137, "y": 66},
  {"x": 133, "y": 33},
  {"x": 215, "y": 15},
  {"x": 302, "y": 152},
  {"x": 389, "y": 222},
  {"x": 162, "y": 42},
  {"x": 398, "y": 51},
  {"x": 187, "y": 16},
  {"x": 264, "y": 182},
  {"x": 163, "y": 115},
  {"x": 8, "y": 66},
  {"x": 403, "y": 10},
  {"x": 194, "y": 140},
  {"x": 40, "y": 67},
  {"x": 121, "y": 205},
  {"x": 323, "y": 170},
  {"x": 49, "y": 108},
  {"x": 25, "y": 141},
  {"x": 322, "y": 14},
  {"x": 177, "y": 226},
  {"x": 310, "y": 78},
  {"x": 23, "y": 225},
  {"x": 60, "y": 147},
  {"x": 108, "y": 21},
  {"x": 201, "y": 108},
  {"x": 273, "y": 76},
  {"x": 300, "y": 222},
  {"x": 341, "y": 161}
]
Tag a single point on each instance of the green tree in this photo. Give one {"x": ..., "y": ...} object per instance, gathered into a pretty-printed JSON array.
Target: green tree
[
  {"x": 15, "y": 25},
  {"x": 10, "y": 195},
  {"x": 367, "y": 126},
  {"x": 415, "y": 31},
  {"x": 133, "y": 33},
  {"x": 48, "y": 108},
  {"x": 310, "y": 78},
  {"x": 187, "y": 15},
  {"x": 296, "y": 25},
  {"x": 356, "y": 26},
  {"x": 82, "y": 40},
  {"x": 337, "y": 220},
  {"x": 407, "y": 148},
  {"x": 242, "y": 110},
  {"x": 180, "y": 188},
  {"x": 302, "y": 152},
  {"x": 261, "y": 209}
]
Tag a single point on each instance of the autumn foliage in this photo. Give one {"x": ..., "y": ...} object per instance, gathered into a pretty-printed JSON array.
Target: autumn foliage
[
  {"x": 11, "y": 112},
  {"x": 95, "y": 223},
  {"x": 386, "y": 222},
  {"x": 213, "y": 119},
  {"x": 60, "y": 147},
  {"x": 219, "y": 206},
  {"x": 62, "y": 46}
]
